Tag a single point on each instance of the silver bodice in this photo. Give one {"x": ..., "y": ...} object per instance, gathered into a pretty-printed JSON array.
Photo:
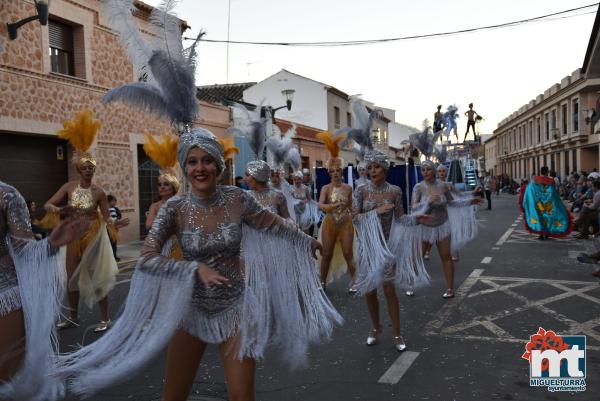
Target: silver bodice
[
  {"x": 14, "y": 221},
  {"x": 210, "y": 232},
  {"x": 368, "y": 197},
  {"x": 273, "y": 200},
  {"x": 422, "y": 195}
]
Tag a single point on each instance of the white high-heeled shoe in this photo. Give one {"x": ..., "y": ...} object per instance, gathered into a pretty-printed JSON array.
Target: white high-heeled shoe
[
  {"x": 373, "y": 337},
  {"x": 399, "y": 343}
]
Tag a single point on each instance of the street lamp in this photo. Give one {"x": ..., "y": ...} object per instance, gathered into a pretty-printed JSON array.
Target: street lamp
[
  {"x": 41, "y": 7},
  {"x": 289, "y": 96}
]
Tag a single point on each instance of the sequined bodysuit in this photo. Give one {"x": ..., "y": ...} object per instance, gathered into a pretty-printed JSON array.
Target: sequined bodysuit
[
  {"x": 273, "y": 200},
  {"x": 302, "y": 195},
  {"x": 369, "y": 197},
  {"x": 342, "y": 214},
  {"x": 423, "y": 192},
  {"x": 82, "y": 200},
  {"x": 14, "y": 221},
  {"x": 210, "y": 232}
]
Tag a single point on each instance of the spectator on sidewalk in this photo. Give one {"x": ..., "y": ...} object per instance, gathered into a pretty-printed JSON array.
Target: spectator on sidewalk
[
  {"x": 487, "y": 187},
  {"x": 589, "y": 214},
  {"x": 115, "y": 214},
  {"x": 584, "y": 194}
]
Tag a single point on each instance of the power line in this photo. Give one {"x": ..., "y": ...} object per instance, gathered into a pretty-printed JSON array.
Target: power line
[{"x": 542, "y": 18}]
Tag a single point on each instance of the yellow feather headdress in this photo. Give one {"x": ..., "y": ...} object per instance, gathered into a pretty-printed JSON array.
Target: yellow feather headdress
[
  {"x": 332, "y": 143},
  {"x": 81, "y": 132},
  {"x": 229, "y": 148},
  {"x": 164, "y": 153}
]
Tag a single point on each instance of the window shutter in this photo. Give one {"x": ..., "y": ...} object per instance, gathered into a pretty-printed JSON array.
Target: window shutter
[{"x": 60, "y": 35}]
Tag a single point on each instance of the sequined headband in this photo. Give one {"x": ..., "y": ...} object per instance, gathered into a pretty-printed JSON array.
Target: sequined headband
[
  {"x": 428, "y": 164},
  {"x": 335, "y": 162},
  {"x": 202, "y": 139},
  {"x": 259, "y": 170},
  {"x": 83, "y": 157},
  {"x": 377, "y": 157}
]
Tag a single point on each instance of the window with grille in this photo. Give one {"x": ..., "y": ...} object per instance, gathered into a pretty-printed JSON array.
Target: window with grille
[
  {"x": 61, "y": 48},
  {"x": 336, "y": 116}
]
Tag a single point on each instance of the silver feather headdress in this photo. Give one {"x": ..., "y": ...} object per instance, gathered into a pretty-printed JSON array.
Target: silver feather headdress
[
  {"x": 425, "y": 140},
  {"x": 252, "y": 127},
  {"x": 169, "y": 89},
  {"x": 279, "y": 145},
  {"x": 360, "y": 133},
  {"x": 293, "y": 158},
  {"x": 440, "y": 152}
]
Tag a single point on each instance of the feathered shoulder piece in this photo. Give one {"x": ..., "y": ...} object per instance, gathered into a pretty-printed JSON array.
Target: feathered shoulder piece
[
  {"x": 229, "y": 148},
  {"x": 252, "y": 127},
  {"x": 163, "y": 153},
  {"x": 332, "y": 142},
  {"x": 80, "y": 131}
]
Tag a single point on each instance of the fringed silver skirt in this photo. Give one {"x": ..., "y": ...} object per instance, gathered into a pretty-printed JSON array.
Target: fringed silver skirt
[
  {"x": 435, "y": 234},
  {"x": 10, "y": 300},
  {"x": 215, "y": 328}
]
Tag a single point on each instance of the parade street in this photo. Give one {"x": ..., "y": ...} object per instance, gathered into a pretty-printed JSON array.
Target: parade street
[{"x": 468, "y": 348}]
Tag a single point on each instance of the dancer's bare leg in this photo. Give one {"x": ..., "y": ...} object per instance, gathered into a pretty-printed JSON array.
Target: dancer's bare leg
[
  {"x": 12, "y": 343},
  {"x": 426, "y": 248},
  {"x": 103, "y": 304},
  {"x": 184, "y": 355},
  {"x": 373, "y": 306},
  {"x": 443, "y": 247},
  {"x": 328, "y": 237},
  {"x": 393, "y": 307},
  {"x": 73, "y": 296},
  {"x": 347, "y": 240},
  {"x": 239, "y": 374}
]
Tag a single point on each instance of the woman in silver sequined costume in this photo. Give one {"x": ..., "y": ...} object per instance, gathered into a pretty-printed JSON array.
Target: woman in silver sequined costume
[
  {"x": 242, "y": 298},
  {"x": 30, "y": 294},
  {"x": 363, "y": 175},
  {"x": 433, "y": 197},
  {"x": 231, "y": 289},
  {"x": 257, "y": 178},
  {"x": 386, "y": 200},
  {"x": 301, "y": 194}
]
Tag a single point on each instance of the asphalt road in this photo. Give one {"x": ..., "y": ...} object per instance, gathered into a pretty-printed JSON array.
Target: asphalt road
[{"x": 467, "y": 348}]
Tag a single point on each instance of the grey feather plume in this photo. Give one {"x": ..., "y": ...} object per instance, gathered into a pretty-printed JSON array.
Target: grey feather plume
[
  {"x": 120, "y": 18},
  {"x": 440, "y": 152},
  {"x": 141, "y": 94},
  {"x": 252, "y": 127},
  {"x": 178, "y": 86},
  {"x": 172, "y": 92},
  {"x": 293, "y": 158},
  {"x": 362, "y": 123},
  {"x": 280, "y": 146}
]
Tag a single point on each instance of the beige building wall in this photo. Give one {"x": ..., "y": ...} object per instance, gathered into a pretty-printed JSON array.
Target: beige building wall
[
  {"x": 36, "y": 101},
  {"x": 550, "y": 130}
]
